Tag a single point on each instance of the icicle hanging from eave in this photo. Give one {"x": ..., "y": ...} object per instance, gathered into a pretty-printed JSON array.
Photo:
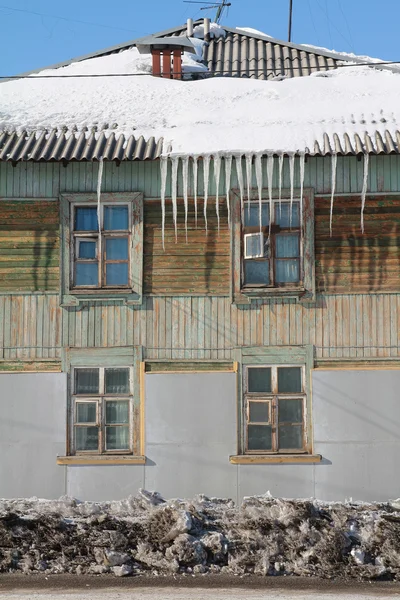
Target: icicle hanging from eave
[
  {"x": 217, "y": 174},
  {"x": 333, "y": 184},
  {"x": 185, "y": 182},
  {"x": 291, "y": 174},
  {"x": 364, "y": 189},
  {"x": 280, "y": 182},
  {"x": 302, "y": 169},
  {"x": 270, "y": 175},
  {"x": 206, "y": 177},
  {"x": 99, "y": 182},
  {"x": 258, "y": 168},
  {"x": 195, "y": 169},
  {"x": 249, "y": 165},
  {"x": 228, "y": 174},
  {"x": 174, "y": 193},
  {"x": 164, "y": 173},
  {"x": 239, "y": 173}
]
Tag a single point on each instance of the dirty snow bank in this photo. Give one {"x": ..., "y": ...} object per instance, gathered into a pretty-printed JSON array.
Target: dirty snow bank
[{"x": 147, "y": 535}]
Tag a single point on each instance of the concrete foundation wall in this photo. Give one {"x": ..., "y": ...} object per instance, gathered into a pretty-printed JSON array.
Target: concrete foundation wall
[{"x": 190, "y": 422}]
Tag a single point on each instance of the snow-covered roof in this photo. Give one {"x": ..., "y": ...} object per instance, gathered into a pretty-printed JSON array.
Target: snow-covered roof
[{"x": 124, "y": 113}]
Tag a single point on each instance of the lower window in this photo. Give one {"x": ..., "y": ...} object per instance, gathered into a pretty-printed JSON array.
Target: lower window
[
  {"x": 275, "y": 409},
  {"x": 102, "y": 410}
]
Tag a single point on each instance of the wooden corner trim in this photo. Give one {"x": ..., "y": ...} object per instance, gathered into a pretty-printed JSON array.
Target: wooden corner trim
[
  {"x": 262, "y": 459},
  {"x": 101, "y": 460}
]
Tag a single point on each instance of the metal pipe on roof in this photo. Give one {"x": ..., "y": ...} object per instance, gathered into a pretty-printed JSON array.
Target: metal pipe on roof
[
  {"x": 207, "y": 24},
  {"x": 190, "y": 27}
]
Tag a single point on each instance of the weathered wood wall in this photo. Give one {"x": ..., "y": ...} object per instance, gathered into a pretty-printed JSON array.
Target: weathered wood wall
[
  {"x": 200, "y": 266},
  {"x": 349, "y": 261},
  {"x": 29, "y": 245}
]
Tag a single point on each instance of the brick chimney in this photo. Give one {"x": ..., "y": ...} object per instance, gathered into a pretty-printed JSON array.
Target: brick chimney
[{"x": 167, "y": 62}]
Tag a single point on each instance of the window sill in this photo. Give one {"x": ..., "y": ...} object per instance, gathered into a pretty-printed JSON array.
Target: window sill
[
  {"x": 101, "y": 460},
  {"x": 261, "y": 459},
  {"x": 257, "y": 292},
  {"x": 75, "y": 297}
]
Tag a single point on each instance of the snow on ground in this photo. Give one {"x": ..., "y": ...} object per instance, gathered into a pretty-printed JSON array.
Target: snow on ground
[{"x": 205, "y": 116}]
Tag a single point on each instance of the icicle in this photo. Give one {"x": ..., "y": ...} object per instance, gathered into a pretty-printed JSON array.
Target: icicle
[
  {"x": 302, "y": 169},
  {"x": 99, "y": 182},
  {"x": 185, "y": 181},
  {"x": 164, "y": 171},
  {"x": 217, "y": 173},
  {"x": 206, "y": 176},
  {"x": 333, "y": 184},
  {"x": 280, "y": 182},
  {"x": 228, "y": 173},
  {"x": 239, "y": 172},
  {"x": 364, "y": 189},
  {"x": 258, "y": 164},
  {"x": 249, "y": 164},
  {"x": 195, "y": 159},
  {"x": 270, "y": 174},
  {"x": 174, "y": 193},
  {"x": 291, "y": 171}
]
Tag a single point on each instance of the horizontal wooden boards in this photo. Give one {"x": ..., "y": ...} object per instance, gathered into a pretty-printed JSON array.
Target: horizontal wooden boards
[
  {"x": 29, "y": 245},
  {"x": 193, "y": 260},
  {"x": 349, "y": 260}
]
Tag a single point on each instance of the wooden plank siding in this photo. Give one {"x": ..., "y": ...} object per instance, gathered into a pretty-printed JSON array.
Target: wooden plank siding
[
  {"x": 29, "y": 245},
  {"x": 199, "y": 266},
  {"x": 349, "y": 261}
]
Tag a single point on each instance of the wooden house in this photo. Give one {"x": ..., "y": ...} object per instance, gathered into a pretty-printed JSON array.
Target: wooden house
[{"x": 235, "y": 361}]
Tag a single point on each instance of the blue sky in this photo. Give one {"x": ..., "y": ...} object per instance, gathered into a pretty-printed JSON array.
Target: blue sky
[{"x": 31, "y": 40}]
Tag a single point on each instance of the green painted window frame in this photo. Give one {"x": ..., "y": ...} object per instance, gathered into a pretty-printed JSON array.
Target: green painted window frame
[
  {"x": 274, "y": 356},
  {"x": 130, "y": 357},
  {"x": 132, "y": 295},
  {"x": 306, "y": 292}
]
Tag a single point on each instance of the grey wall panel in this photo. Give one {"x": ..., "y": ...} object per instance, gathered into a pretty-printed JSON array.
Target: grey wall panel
[
  {"x": 105, "y": 482},
  {"x": 356, "y": 416},
  {"x": 190, "y": 433},
  {"x": 282, "y": 481},
  {"x": 32, "y": 433}
]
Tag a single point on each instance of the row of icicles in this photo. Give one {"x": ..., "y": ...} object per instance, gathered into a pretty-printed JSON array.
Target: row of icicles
[{"x": 245, "y": 190}]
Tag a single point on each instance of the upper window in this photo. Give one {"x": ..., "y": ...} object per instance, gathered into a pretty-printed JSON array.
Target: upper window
[
  {"x": 275, "y": 409},
  {"x": 272, "y": 256},
  {"x": 102, "y": 410},
  {"x": 101, "y": 256}
]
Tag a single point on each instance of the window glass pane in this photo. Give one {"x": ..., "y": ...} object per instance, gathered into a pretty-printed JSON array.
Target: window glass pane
[
  {"x": 117, "y": 274},
  {"x": 86, "y": 273},
  {"x": 117, "y": 381},
  {"x": 86, "y": 412},
  {"x": 115, "y": 217},
  {"x": 117, "y": 412},
  {"x": 290, "y": 437},
  {"x": 253, "y": 219},
  {"x": 117, "y": 438},
  {"x": 282, "y": 214},
  {"x": 254, "y": 245},
  {"x": 259, "y": 379},
  {"x": 287, "y": 271},
  {"x": 86, "y": 218},
  {"x": 289, "y": 380},
  {"x": 290, "y": 411},
  {"x": 287, "y": 246},
  {"x": 86, "y": 381},
  {"x": 86, "y": 249},
  {"x": 117, "y": 249},
  {"x": 256, "y": 272},
  {"x": 87, "y": 438},
  {"x": 259, "y": 437},
  {"x": 259, "y": 412}
]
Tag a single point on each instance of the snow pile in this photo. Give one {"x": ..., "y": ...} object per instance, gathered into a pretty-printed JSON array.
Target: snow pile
[
  {"x": 147, "y": 535},
  {"x": 216, "y": 31}
]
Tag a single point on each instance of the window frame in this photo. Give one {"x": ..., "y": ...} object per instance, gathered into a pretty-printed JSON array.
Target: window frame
[
  {"x": 132, "y": 292},
  {"x": 272, "y": 398},
  {"x": 242, "y": 293},
  {"x": 101, "y": 401}
]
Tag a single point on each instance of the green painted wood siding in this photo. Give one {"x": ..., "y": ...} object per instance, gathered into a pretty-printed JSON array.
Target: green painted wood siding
[
  {"x": 200, "y": 266},
  {"x": 29, "y": 245},
  {"x": 358, "y": 326}
]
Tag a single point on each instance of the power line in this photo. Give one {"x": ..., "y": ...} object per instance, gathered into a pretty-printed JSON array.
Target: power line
[
  {"x": 205, "y": 74},
  {"x": 38, "y": 14}
]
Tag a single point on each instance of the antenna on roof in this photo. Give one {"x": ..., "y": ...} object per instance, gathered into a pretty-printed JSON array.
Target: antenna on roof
[
  {"x": 220, "y": 6},
  {"x": 290, "y": 20}
]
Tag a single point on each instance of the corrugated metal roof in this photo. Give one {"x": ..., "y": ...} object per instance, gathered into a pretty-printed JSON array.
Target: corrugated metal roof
[{"x": 58, "y": 145}]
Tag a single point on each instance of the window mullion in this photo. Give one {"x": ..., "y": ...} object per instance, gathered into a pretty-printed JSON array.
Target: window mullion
[{"x": 274, "y": 408}]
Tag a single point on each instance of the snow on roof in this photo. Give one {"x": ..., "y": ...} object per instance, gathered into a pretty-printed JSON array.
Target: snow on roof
[{"x": 205, "y": 116}]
